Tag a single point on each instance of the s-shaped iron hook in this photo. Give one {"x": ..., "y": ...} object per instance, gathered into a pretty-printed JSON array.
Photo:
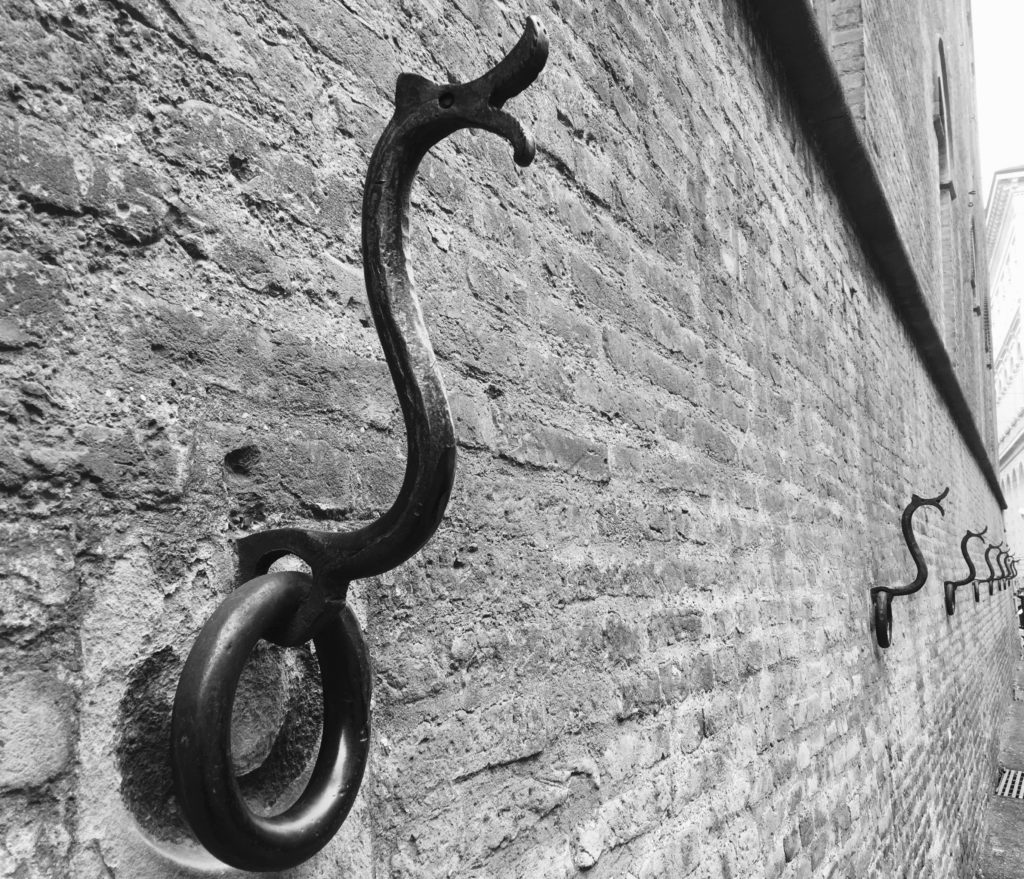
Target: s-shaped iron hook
[
  {"x": 950, "y": 586},
  {"x": 289, "y": 607},
  {"x": 1004, "y": 571},
  {"x": 991, "y": 578},
  {"x": 881, "y": 596}
]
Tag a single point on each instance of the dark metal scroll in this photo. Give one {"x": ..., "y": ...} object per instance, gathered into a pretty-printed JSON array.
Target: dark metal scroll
[
  {"x": 950, "y": 586},
  {"x": 881, "y": 596},
  {"x": 291, "y": 608},
  {"x": 425, "y": 114}
]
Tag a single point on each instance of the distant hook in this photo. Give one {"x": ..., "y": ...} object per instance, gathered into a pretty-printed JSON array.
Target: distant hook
[
  {"x": 992, "y": 547},
  {"x": 881, "y": 596},
  {"x": 1005, "y": 575},
  {"x": 950, "y": 586}
]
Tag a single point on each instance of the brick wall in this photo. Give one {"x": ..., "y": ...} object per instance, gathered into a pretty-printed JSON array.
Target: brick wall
[
  {"x": 846, "y": 44},
  {"x": 901, "y": 67},
  {"x": 688, "y": 423}
]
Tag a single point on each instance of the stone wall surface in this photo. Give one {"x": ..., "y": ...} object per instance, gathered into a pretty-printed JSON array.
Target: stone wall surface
[{"x": 688, "y": 422}]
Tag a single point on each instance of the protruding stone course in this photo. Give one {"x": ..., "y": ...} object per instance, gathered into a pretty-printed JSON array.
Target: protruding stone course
[{"x": 36, "y": 730}]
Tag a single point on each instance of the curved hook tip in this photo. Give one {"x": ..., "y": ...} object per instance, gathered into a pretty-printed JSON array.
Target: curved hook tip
[
  {"x": 426, "y": 112},
  {"x": 520, "y": 67},
  {"x": 524, "y": 151},
  {"x": 917, "y": 501}
]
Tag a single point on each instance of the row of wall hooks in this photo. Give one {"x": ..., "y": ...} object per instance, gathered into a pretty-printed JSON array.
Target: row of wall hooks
[{"x": 1002, "y": 575}]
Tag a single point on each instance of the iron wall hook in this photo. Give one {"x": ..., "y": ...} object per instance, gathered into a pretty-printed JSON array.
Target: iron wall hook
[
  {"x": 425, "y": 113},
  {"x": 991, "y": 578},
  {"x": 290, "y": 608},
  {"x": 881, "y": 596},
  {"x": 1004, "y": 573},
  {"x": 950, "y": 586}
]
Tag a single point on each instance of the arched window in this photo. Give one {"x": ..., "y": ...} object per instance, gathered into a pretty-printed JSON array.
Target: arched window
[
  {"x": 954, "y": 297},
  {"x": 942, "y": 119}
]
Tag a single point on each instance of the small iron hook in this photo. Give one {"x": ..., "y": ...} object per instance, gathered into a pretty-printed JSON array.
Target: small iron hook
[
  {"x": 991, "y": 578},
  {"x": 1004, "y": 575},
  {"x": 950, "y": 586}
]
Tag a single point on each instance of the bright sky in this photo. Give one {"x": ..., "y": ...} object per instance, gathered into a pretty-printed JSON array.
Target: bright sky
[{"x": 999, "y": 69}]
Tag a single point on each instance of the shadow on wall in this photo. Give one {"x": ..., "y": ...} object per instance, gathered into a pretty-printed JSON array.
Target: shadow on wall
[{"x": 275, "y": 734}]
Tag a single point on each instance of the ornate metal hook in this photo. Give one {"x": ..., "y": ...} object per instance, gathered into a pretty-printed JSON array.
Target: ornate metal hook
[
  {"x": 991, "y": 578},
  {"x": 425, "y": 114},
  {"x": 290, "y": 608},
  {"x": 1004, "y": 573},
  {"x": 950, "y": 586},
  {"x": 881, "y": 596}
]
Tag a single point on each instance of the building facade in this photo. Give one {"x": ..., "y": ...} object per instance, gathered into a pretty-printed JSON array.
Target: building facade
[
  {"x": 700, "y": 355},
  {"x": 1005, "y": 222}
]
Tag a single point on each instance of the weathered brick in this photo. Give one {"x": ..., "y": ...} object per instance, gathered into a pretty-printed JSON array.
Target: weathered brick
[
  {"x": 675, "y": 625},
  {"x": 545, "y": 446},
  {"x": 714, "y": 441}
]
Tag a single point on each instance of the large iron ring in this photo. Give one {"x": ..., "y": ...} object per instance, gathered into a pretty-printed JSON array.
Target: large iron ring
[{"x": 201, "y": 728}]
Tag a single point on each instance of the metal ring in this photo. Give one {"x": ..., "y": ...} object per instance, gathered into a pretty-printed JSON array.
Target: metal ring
[
  {"x": 950, "y": 592},
  {"x": 882, "y": 602},
  {"x": 201, "y": 729}
]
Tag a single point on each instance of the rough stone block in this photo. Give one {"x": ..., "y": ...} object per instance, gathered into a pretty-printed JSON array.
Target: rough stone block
[{"x": 36, "y": 729}]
